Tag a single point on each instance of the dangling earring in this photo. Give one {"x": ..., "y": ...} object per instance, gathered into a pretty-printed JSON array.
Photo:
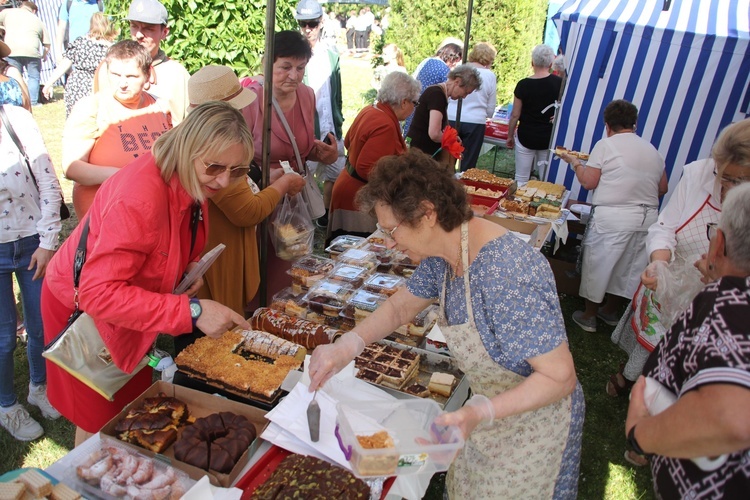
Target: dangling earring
[{"x": 710, "y": 267}]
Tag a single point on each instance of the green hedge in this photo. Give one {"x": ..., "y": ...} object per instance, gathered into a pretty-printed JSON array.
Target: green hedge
[
  {"x": 230, "y": 32},
  {"x": 514, "y": 27}
]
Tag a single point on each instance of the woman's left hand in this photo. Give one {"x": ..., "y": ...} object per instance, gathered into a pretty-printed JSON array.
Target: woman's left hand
[
  {"x": 197, "y": 284},
  {"x": 466, "y": 419},
  {"x": 325, "y": 153}
]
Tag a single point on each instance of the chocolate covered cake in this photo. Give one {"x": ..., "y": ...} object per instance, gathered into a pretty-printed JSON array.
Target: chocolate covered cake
[
  {"x": 215, "y": 442},
  {"x": 311, "y": 478}
]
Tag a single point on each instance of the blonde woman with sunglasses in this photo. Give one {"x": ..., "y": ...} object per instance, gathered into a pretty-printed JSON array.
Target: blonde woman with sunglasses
[{"x": 147, "y": 228}]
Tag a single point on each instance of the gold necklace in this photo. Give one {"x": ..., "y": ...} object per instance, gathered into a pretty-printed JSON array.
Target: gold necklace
[{"x": 457, "y": 267}]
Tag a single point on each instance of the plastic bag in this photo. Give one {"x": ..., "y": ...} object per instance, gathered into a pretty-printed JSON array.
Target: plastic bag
[
  {"x": 677, "y": 285},
  {"x": 292, "y": 230}
]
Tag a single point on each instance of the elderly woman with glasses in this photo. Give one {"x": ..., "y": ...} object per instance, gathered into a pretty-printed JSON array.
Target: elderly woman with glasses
[
  {"x": 501, "y": 317},
  {"x": 704, "y": 361},
  {"x": 431, "y": 115},
  {"x": 147, "y": 228},
  {"x": 374, "y": 133},
  {"x": 106, "y": 131}
]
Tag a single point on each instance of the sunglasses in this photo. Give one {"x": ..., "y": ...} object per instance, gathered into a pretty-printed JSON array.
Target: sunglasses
[
  {"x": 216, "y": 169},
  {"x": 309, "y": 24}
]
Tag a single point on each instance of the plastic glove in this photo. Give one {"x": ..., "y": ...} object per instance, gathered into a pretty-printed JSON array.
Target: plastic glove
[
  {"x": 329, "y": 359},
  {"x": 483, "y": 407},
  {"x": 648, "y": 278}
]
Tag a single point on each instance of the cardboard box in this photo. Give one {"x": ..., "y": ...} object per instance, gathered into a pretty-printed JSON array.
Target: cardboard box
[
  {"x": 537, "y": 232},
  {"x": 566, "y": 279},
  {"x": 200, "y": 404}
]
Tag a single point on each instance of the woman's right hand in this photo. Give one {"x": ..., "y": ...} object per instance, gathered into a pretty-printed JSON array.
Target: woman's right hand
[
  {"x": 329, "y": 359},
  {"x": 290, "y": 184},
  {"x": 48, "y": 91},
  {"x": 217, "y": 319},
  {"x": 658, "y": 258}
]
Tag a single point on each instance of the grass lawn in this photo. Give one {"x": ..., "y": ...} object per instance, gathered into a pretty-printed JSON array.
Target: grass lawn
[{"x": 604, "y": 472}]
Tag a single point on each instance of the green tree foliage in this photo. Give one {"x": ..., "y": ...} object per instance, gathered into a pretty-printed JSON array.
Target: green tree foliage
[
  {"x": 229, "y": 32},
  {"x": 514, "y": 27}
]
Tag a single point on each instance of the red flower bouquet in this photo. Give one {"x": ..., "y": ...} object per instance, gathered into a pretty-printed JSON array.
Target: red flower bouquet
[{"x": 450, "y": 143}]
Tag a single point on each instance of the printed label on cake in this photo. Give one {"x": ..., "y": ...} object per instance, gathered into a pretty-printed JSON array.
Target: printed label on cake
[
  {"x": 412, "y": 460},
  {"x": 355, "y": 254}
]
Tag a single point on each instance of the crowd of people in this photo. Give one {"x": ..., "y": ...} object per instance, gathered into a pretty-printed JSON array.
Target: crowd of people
[{"x": 166, "y": 167}]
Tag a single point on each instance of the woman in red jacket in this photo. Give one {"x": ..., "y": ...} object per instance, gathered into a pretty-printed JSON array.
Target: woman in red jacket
[{"x": 141, "y": 242}]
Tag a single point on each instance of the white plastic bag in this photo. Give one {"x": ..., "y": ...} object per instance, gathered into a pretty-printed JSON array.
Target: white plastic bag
[
  {"x": 292, "y": 230},
  {"x": 677, "y": 285}
]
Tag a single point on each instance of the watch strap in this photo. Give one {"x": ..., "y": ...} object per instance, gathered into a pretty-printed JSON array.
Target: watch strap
[
  {"x": 634, "y": 444},
  {"x": 194, "y": 300}
]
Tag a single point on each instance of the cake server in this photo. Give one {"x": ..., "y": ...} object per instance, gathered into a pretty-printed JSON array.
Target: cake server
[{"x": 313, "y": 419}]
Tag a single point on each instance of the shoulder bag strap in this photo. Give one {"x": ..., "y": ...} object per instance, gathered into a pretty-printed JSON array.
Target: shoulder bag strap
[
  {"x": 282, "y": 119},
  {"x": 17, "y": 142},
  {"x": 78, "y": 260},
  {"x": 197, "y": 215}
]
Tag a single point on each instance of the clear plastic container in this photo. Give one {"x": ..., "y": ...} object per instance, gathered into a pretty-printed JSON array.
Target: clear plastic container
[
  {"x": 308, "y": 270},
  {"x": 290, "y": 302},
  {"x": 328, "y": 298},
  {"x": 357, "y": 257},
  {"x": 362, "y": 303},
  {"x": 402, "y": 265},
  {"x": 341, "y": 244},
  {"x": 418, "y": 444},
  {"x": 382, "y": 253},
  {"x": 353, "y": 276},
  {"x": 387, "y": 284}
]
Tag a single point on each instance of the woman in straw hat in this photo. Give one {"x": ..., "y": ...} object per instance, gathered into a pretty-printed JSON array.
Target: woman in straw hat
[
  {"x": 13, "y": 89},
  {"x": 235, "y": 211}
]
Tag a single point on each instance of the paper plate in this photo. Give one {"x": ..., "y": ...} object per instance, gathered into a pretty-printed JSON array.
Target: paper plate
[{"x": 580, "y": 209}]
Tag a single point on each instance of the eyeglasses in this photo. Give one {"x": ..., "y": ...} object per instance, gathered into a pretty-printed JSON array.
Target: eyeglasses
[
  {"x": 387, "y": 232},
  {"x": 309, "y": 24},
  {"x": 733, "y": 181},
  {"x": 216, "y": 169},
  {"x": 415, "y": 103},
  {"x": 711, "y": 228}
]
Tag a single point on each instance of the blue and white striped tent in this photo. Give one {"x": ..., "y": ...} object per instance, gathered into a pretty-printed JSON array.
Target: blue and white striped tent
[{"x": 686, "y": 68}]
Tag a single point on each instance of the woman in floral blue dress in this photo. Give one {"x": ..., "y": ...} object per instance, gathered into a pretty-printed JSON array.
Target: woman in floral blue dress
[{"x": 501, "y": 318}]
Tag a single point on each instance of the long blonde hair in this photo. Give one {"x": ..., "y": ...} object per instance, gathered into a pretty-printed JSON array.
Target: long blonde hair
[
  {"x": 208, "y": 129},
  {"x": 101, "y": 29}
]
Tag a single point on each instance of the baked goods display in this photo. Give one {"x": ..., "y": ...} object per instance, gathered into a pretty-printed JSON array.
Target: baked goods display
[
  {"x": 417, "y": 389},
  {"x": 32, "y": 484},
  {"x": 12, "y": 491},
  {"x": 560, "y": 150},
  {"x": 321, "y": 480},
  {"x": 35, "y": 483},
  {"x": 478, "y": 175},
  {"x": 352, "y": 275},
  {"x": 361, "y": 304},
  {"x": 485, "y": 192},
  {"x": 308, "y": 270},
  {"x": 386, "y": 365},
  {"x": 515, "y": 206},
  {"x": 402, "y": 265},
  {"x": 421, "y": 323},
  {"x": 381, "y": 464},
  {"x": 292, "y": 241},
  {"x": 303, "y": 332},
  {"x": 153, "y": 424},
  {"x": 249, "y": 363},
  {"x": 341, "y": 244},
  {"x": 121, "y": 473},
  {"x": 387, "y": 284},
  {"x": 326, "y": 300},
  {"x": 215, "y": 442},
  {"x": 357, "y": 257},
  {"x": 289, "y": 302},
  {"x": 538, "y": 199},
  {"x": 382, "y": 253},
  {"x": 442, "y": 383}
]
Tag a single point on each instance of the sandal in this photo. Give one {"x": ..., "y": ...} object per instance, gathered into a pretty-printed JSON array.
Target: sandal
[
  {"x": 635, "y": 459},
  {"x": 618, "y": 385}
]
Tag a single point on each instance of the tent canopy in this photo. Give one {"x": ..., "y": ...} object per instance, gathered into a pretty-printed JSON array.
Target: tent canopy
[{"x": 687, "y": 69}]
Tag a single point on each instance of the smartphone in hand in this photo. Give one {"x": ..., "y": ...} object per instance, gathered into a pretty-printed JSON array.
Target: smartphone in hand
[{"x": 327, "y": 138}]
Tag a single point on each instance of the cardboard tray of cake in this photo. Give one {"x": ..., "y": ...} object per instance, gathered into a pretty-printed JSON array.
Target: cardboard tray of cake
[
  {"x": 230, "y": 425},
  {"x": 433, "y": 376},
  {"x": 250, "y": 364}
]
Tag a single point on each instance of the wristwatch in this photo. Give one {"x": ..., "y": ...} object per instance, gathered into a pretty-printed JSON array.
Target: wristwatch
[
  {"x": 195, "y": 310},
  {"x": 634, "y": 444}
]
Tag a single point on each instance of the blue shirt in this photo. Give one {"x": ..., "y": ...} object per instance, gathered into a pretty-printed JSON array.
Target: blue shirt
[{"x": 79, "y": 17}]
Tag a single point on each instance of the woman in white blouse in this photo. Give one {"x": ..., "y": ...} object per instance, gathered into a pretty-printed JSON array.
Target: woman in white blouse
[{"x": 29, "y": 227}]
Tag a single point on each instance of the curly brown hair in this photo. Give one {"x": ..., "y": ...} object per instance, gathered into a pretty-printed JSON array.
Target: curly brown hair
[
  {"x": 407, "y": 182},
  {"x": 621, "y": 115}
]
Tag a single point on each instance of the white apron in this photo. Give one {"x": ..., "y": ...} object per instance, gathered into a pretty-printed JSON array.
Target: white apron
[{"x": 518, "y": 456}]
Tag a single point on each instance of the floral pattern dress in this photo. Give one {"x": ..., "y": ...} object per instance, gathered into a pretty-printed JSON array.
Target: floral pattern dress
[
  {"x": 86, "y": 54},
  {"x": 10, "y": 92},
  {"x": 504, "y": 311}
]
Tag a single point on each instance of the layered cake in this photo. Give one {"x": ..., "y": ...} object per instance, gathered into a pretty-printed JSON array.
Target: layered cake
[
  {"x": 224, "y": 362},
  {"x": 387, "y": 284},
  {"x": 376, "y": 465},
  {"x": 215, "y": 442},
  {"x": 297, "y": 330},
  {"x": 361, "y": 304},
  {"x": 153, "y": 424},
  {"x": 386, "y": 365},
  {"x": 298, "y": 476},
  {"x": 308, "y": 270},
  {"x": 442, "y": 383},
  {"x": 293, "y": 241}
]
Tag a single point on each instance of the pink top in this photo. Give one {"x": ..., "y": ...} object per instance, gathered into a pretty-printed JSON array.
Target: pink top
[{"x": 301, "y": 119}]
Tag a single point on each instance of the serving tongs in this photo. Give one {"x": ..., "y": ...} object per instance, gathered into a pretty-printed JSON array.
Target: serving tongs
[{"x": 313, "y": 419}]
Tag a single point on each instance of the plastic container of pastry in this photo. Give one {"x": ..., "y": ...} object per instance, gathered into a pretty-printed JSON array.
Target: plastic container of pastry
[
  {"x": 341, "y": 244},
  {"x": 387, "y": 284},
  {"x": 402, "y": 265},
  {"x": 415, "y": 444},
  {"x": 89, "y": 474},
  {"x": 327, "y": 298},
  {"x": 350, "y": 274},
  {"x": 289, "y": 302},
  {"x": 362, "y": 303},
  {"x": 378, "y": 237},
  {"x": 357, "y": 257},
  {"x": 382, "y": 253},
  {"x": 308, "y": 270}
]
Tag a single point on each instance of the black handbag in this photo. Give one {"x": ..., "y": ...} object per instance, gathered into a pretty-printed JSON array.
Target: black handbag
[{"x": 64, "y": 211}]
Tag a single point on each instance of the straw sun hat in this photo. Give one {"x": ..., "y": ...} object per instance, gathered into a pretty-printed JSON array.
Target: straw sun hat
[{"x": 218, "y": 83}]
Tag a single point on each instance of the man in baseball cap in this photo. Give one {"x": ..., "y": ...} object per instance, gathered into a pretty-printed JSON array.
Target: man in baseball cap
[
  {"x": 169, "y": 79},
  {"x": 323, "y": 74}
]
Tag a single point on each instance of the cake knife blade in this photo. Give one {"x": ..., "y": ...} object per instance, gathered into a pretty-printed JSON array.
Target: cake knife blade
[{"x": 313, "y": 419}]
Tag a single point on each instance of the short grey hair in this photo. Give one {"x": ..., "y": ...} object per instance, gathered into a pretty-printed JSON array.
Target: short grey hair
[
  {"x": 734, "y": 222},
  {"x": 542, "y": 56},
  {"x": 397, "y": 86},
  {"x": 468, "y": 75}
]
